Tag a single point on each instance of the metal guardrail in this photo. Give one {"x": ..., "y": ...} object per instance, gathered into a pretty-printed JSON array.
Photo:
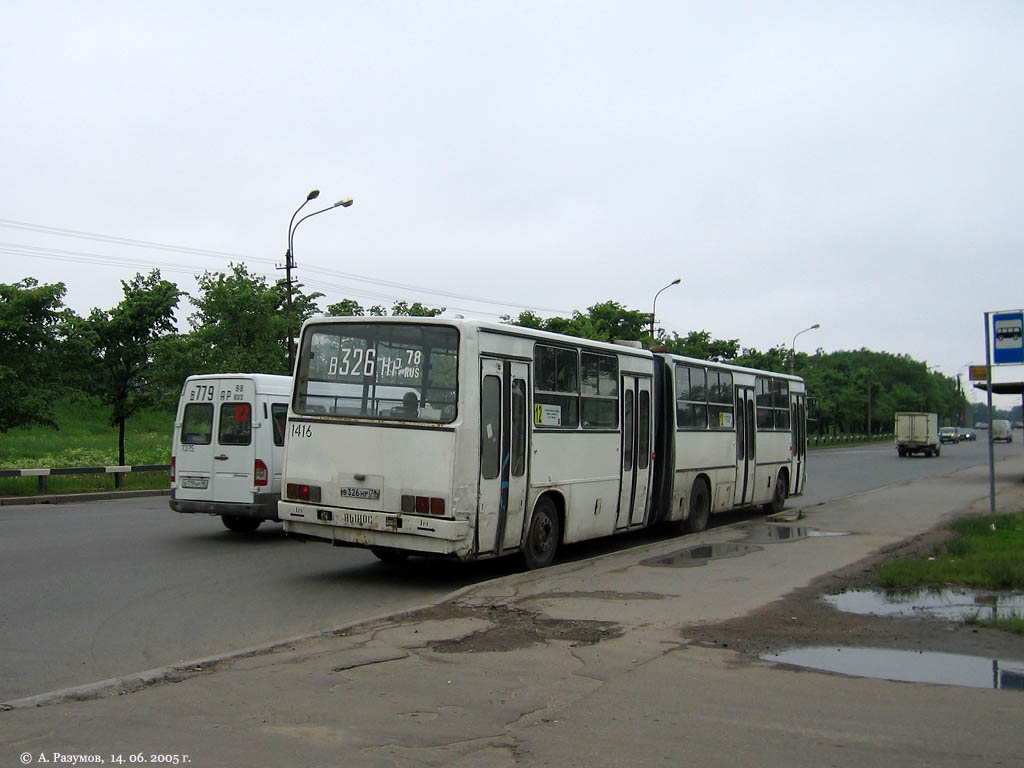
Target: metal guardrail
[
  {"x": 44, "y": 473},
  {"x": 840, "y": 439}
]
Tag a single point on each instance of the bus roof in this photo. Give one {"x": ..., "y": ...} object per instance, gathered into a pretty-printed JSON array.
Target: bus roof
[
  {"x": 489, "y": 326},
  {"x": 534, "y": 333}
]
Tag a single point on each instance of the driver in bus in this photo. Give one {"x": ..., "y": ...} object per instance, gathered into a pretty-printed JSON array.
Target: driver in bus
[{"x": 410, "y": 405}]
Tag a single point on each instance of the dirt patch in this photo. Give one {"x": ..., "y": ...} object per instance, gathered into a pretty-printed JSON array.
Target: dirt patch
[
  {"x": 512, "y": 628},
  {"x": 803, "y": 619}
]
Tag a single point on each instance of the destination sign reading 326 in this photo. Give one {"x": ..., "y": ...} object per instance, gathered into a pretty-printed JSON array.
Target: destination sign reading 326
[{"x": 358, "y": 363}]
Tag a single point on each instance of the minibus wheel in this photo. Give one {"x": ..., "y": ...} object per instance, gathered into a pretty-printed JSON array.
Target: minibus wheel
[
  {"x": 542, "y": 536},
  {"x": 241, "y": 524}
]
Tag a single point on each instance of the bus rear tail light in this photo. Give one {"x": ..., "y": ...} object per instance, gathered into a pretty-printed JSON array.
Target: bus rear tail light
[
  {"x": 260, "y": 473},
  {"x": 423, "y": 505},
  {"x": 303, "y": 492}
]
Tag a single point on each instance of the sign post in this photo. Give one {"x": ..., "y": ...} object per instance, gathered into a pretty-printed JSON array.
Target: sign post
[{"x": 991, "y": 442}]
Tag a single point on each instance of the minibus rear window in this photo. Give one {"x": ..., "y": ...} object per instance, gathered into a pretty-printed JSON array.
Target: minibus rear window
[
  {"x": 197, "y": 424},
  {"x": 235, "y": 424}
]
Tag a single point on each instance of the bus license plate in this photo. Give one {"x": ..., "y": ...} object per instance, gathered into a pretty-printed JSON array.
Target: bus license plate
[
  {"x": 195, "y": 482},
  {"x": 373, "y": 494}
]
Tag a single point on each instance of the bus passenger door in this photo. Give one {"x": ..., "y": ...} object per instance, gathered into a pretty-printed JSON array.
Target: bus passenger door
[
  {"x": 518, "y": 413},
  {"x": 635, "y": 466},
  {"x": 503, "y": 455},
  {"x": 798, "y": 420},
  {"x": 746, "y": 425}
]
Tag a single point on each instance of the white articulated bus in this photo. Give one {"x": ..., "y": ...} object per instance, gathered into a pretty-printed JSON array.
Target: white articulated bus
[{"x": 472, "y": 439}]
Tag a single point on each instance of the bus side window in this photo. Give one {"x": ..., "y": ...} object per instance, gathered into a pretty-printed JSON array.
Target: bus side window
[
  {"x": 518, "y": 463},
  {"x": 490, "y": 428}
]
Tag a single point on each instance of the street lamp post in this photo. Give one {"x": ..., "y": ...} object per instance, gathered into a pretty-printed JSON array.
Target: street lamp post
[
  {"x": 289, "y": 264},
  {"x": 654, "y": 308},
  {"x": 792, "y": 348}
]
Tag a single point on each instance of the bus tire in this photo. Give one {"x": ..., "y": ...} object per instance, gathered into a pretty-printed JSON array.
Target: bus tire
[
  {"x": 240, "y": 524},
  {"x": 390, "y": 554},
  {"x": 542, "y": 537},
  {"x": 778, "y": 501},
  {"x": 700, "y": 507}
]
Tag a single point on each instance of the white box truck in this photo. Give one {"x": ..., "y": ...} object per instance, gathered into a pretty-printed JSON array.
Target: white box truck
[
  {"x": 228, "y": 447},
  {"x": 917, "y": 433}
]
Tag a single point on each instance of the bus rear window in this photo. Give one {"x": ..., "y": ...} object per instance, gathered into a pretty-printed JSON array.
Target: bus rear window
[
  {"x": 197, "y": 424},
  {"x": 393, "y": 371}
]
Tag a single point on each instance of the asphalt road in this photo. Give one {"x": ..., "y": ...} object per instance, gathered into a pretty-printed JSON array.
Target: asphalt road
[{"x": 97, "y": 590}]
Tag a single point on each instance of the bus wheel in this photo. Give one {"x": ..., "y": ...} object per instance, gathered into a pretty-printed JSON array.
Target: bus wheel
[
  {"x": 390, "y": 554},
  {"x": 778, "y": 501},
  {"x": 700, "y": 507},
  {"x": 542, "y": 537},
  {"x": 241, "y": 524}
]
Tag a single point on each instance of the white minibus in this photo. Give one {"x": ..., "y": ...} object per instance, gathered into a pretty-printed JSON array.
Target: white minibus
[{"x": 228, "y": 447}]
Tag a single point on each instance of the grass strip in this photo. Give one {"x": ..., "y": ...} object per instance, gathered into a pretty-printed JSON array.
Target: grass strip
[
  {"x": 987, "y": 552},
  {"x": 85, "y": 437}
]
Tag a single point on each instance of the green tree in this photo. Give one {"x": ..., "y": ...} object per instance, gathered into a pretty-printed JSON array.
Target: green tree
[
  {"x": 30, "y": 317},
  {"x": 241, "y": 323},
  {"x": 352, "y": 308},
  {"x": 346, "y": 308},
  {"x": 118, "y": 345},
  {"x": 405, "y": 309},
  {"x": 526, "y": 319},
  {"x": 605, "y": 321},
  {"x": 700, "y": 345}
]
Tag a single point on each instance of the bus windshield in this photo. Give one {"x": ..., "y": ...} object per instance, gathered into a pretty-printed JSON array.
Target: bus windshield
[{"x": 393, "y": 371}]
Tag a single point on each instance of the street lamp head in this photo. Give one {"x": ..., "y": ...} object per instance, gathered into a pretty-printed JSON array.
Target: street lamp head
[
  {"x": 816, "y": 325},
  {"x": 677, "y": 281},
  {"x": 344, "y": 203},
  {"x": 313, "y": 195}
]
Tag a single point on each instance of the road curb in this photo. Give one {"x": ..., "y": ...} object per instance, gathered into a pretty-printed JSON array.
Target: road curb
[{"x": 70, "y": 498}]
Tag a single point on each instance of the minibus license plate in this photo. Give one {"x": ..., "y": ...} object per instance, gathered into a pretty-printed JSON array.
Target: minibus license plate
[
  {"x": 373, "y": 494},
  {"x": 194, "y": 482}
]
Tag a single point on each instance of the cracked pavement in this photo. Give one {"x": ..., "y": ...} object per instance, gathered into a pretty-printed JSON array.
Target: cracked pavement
[{"x": 587, "y": 663}]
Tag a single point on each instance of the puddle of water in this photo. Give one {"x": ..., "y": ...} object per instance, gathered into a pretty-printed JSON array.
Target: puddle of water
[
  {"x": 951, "y": 604},
  {"x": 908, "y": 666},
  {"x": 699, "y": 555},
  {"x": 768, "y": 532},
  {"x": 763, "y": 533}
]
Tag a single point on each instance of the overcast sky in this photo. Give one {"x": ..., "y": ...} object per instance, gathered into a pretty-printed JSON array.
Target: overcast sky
[{"x": 853, "y": 164}]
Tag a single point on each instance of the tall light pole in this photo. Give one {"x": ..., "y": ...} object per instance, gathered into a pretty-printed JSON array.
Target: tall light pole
[
  {"x": 792, "y": 347},
  {"x": 289, "y": 264},
  {"x": 654, "y": 308}
]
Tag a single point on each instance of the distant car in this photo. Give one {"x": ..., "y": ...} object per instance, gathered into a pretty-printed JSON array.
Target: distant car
[
  {"x": 948, "y": 435},
  {"x": 966, "y": 434},
  {"x": 1001, "y": 431}
]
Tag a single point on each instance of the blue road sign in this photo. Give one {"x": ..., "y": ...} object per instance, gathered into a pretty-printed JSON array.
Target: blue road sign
[{"x": 1008, "y": 342}]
